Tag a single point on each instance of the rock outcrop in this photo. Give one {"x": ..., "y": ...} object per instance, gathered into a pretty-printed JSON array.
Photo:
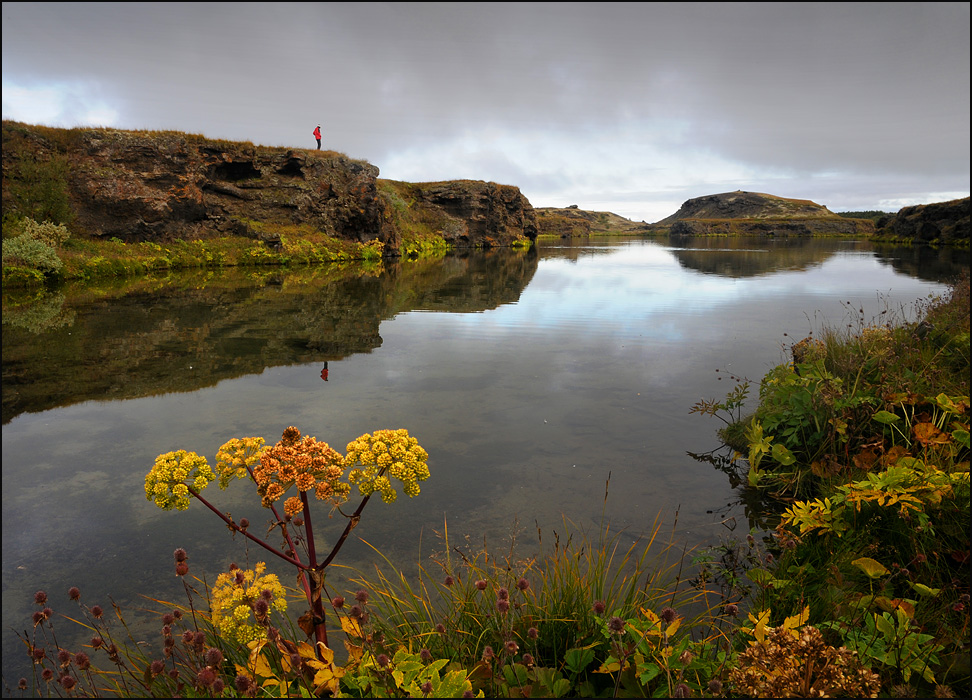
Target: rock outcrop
[
  {"x": 571, "y": 221},
  {"x": 942, "y": 222},
  {"x": 477, "y": 213},
  {"x": 164, "y": 186},
  {"x": 755, "y": 213}
]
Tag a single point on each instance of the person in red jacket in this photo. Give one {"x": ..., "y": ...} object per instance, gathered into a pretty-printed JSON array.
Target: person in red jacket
[{"x": 317, "y": 135}]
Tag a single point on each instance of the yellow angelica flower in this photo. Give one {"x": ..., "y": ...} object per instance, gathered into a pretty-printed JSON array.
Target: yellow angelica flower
[
  {"x": 235, "y": 456},
  {"x": 384, "y": 454},
  {"x": 233, "y": 602},
  {"x": 166, "y": 483}
]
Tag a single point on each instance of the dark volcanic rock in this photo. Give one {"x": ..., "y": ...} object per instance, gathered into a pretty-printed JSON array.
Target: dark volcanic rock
[
  {"x": 756, "y": 214},
  {"x": 482, "y": 213},
  {"x": 165, "y": 186},
  {"x": 943, "y": 222}
]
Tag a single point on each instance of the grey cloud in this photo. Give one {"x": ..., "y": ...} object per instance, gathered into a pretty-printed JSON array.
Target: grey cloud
[{"x": 867, "y": 89}]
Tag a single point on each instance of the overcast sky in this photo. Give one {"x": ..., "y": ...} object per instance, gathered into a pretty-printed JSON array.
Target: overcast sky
[{"x": 631, "y": 108}]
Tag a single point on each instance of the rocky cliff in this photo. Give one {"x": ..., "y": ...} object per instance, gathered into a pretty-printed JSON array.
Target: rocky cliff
[
  {"x": 942, "y": 222},
  {"x": 465, "y": 213},
  {"x": 755, "y": 213},
  {"x": 165, "y": 186}
]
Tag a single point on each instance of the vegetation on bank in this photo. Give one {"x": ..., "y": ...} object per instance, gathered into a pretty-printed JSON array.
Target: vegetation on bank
[
  {"x": 858, "y": 453},
  {"x": 31, "y": 257},
  {"x": 872, "y": 214}
]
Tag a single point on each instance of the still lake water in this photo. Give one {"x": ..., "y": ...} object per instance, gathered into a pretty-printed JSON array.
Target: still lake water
[{"x": 531, "y": 377}]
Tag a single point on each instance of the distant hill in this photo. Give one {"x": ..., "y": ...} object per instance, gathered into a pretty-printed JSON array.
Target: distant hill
[
  {"x": 755, "y": 213},
  {"x": 747, "y": 205},
  {"x": 571, "y": 221}
]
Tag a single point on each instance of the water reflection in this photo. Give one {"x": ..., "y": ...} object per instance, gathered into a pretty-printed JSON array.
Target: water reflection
[
  {"x": 186, "y": 332},
  {"x": 529, "y": 377}
]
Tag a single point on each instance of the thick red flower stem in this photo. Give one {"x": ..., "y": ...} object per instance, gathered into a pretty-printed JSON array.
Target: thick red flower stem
[
  {"x": 290, "y": 543},
  {"x": 352, "y": 523},
  {"x": 309, "y": 532},
  {"x": 236, "y": 528},
  {"x": 315, "y": 598}
]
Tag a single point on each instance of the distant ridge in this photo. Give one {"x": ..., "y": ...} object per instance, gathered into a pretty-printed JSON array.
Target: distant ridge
[
  {"x": 567, "y": 222},
  {"x": 747, "y": 205}
]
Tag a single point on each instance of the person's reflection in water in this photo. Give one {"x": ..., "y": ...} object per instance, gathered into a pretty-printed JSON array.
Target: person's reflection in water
[{"x": 324, "y": 372}]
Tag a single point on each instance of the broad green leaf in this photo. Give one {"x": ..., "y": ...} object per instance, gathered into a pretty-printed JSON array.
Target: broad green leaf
[
  {"x": 884, "y": 625},
  {"x": 961, "y": 437},
  {"x": 650, "y": 672},
  {"x": 783, "y": 455},
  {"x": 886, "y": 417},
  {"x": 873, "y": 569},
  {"x": 924, "y": 590},
  {"x": 576, "y": 660}
]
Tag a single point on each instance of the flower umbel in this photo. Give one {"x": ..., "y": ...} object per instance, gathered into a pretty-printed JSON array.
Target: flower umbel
[
  {"x": 235, "y": 602},
  {"x": 304, "y": 462},
  {"x": 384, "y": 454},
  {"x": 235, "y": 456},
  {"x": 174, "y": 472}
]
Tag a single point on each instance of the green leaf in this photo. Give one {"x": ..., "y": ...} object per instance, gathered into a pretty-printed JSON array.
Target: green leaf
[
  {"x": 650, "y": 672},
  {"x": 873, "y": 569},
  {"x": 576, "y": 660},
  {"x": 561, "y": 688},
  {"x": 783, "y": 455},
  {"x": 884, "y": 625},
  {"x": 961, "y": 437},
  {"x": 922, "y": 589},
  {"x": 886, "y": 417},
  {"x": 761, "y": 577},
  {"x": 516, "y": 674}
]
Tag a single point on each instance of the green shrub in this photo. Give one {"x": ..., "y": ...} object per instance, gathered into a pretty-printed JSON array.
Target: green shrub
[
  {"x": 39, "y": 188},
  {"x": 24, "y": 251}
]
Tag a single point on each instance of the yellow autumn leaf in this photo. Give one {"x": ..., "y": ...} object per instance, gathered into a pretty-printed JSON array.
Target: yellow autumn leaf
[
  {"x": 351, "y": 627},
  {"x": 759, "y": 628},
  {"x": 794, "y": 622},
  {"x": 354, "y": 652},
  {"x": 654, "y": 620},
  {"x": 873, "y": 569},
  {"x": 258, "y": 663}
]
